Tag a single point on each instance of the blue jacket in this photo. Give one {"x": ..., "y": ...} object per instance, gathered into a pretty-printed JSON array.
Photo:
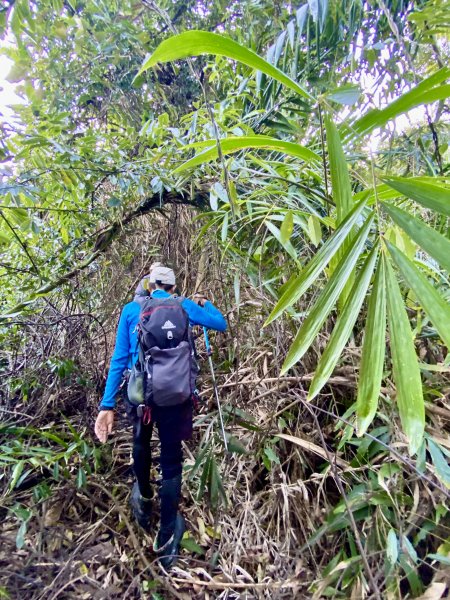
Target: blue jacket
[{"x": 126, "y": 349}]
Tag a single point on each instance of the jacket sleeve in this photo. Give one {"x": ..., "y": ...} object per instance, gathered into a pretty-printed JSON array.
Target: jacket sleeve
[
  {"x": 208, "y": 316},
  {"x": 119, "y": 363}
]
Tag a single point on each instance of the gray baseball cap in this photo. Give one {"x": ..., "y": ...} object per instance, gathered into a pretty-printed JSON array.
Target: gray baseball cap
[{"x": 162, "y": 275}]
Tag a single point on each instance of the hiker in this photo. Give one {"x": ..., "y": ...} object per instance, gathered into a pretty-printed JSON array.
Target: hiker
[{"x": 174, "y": 422}]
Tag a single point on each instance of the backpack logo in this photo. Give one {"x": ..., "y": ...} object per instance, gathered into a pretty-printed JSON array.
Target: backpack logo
[{"x": 168, "y": 325}]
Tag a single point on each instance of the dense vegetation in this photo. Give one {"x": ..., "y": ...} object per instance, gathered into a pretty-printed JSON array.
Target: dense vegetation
[{"x": 290, "y": 161}]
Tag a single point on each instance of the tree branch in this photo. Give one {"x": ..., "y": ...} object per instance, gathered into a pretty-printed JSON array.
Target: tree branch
[{"x": 106, "y": 237}]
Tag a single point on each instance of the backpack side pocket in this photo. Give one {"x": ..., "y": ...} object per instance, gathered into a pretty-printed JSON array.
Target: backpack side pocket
[{"x": 136, "y": 385}]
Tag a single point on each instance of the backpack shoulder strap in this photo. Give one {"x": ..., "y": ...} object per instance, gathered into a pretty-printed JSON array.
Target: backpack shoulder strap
[{"x": 177, "y": 298}]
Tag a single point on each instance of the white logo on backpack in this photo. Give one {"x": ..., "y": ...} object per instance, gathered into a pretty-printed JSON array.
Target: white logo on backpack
[{"x": 168, "y": 325}]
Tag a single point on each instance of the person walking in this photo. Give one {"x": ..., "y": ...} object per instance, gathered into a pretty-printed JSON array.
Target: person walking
[{"x": 174, "y": 423}]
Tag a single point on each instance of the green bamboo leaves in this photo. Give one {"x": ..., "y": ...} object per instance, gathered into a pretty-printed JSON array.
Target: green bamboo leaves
[
  {"x": 343, "y": 327},
  {"x": 342, "y": 195},
  {"x": 372, "y": 360},
  {"x": 430, "y": 240},
  {"x": 352, "y": 253},
  {"x": 327, "y": 299},
  {"x": 195, "y": 43},
  {"x": 234, "y": 144},
  {"x": 299, "y": 285},
  {"x": 435, "y": 306},
  {"x": 435, "y": 197},
  {"x": 404, "y": 365},
  {"x": 428, "y": 90},
  {"x": 340, "y": 179}
]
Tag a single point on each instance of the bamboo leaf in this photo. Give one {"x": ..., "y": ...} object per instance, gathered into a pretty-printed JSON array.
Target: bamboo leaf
[
  {"x": 372, "y": 359},
  {"x": 392, "y": 547},
  {"x": 234, "y": 144},
  {"x": 287, "y": 227},
  {"x": 224, "y": 231},
  {"x": 430, "y": 240},
  {"x": 435, "y": 197},
  {"x": 204, "y": 478},
  {"x": 277, "y": 235},
  {"x": 213, "y": 483},
  {"x": 340, "y": 179},
  {"x": 434, "y": 304},
  {"x": 346, "y": 94},
  {"x": 327, "y": 299},
  {"x": 423, "y": 93},
  {"x": 404, "y": 365},
  {"x": 17, "y": 472},
  {"x": 299, "y": 285},
  {"x": 189, "y": 544},
  {"x": 440, "y": 463},
  {"x": 342, "y": 195},
  {"x": 196, "y": 43},
  {"x": 314, "y": 230},
  {"x": 343, "y": 327}
]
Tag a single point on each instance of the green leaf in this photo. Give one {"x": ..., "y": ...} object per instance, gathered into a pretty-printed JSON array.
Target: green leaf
[
  {"x": 64, "y": 235},
  {"x": 445, "y": 560},
  {"x": 346, "y": 94},
  {"x": 213, "y": 200},
  {"x": 20, "y": 216},
  {"x": 114, "y": 202},
  {"x": 440, "y": 463},
  {"x": 4, "y": 238},
  {"x": 81, "y": 478},
  {"x": 224, "y": 230},
  {"x": 392, "y": 547},
  {"x": 198, "y": 461},
  {"x": 195, "y": 43},
  {"x": 268, "y": 451},
  {"x": 20, "y": 537},
  {"x": 314, "y": 230},
  {"x": 344, "y": 325},
  {"x": 17, "y": 73},
  {"x": 435, "y": 197},
  {"x": 234, "y": 201},
  {"x": 342, "y": 195},
  {"x": 17, "y": 472},
  {"x": 430, "y": 240},
  {"x": 237, "y": 288},
  {"x": 191, "y": 545},
  {"x": 299, "y": 285},
  {"x": 404, "y": 365},
  {"x": 423, "y": 93},
  {"x": 277, "y": 235},
  {"x": 327, "y": 299},
  {"x": 221, "y": 192},
  {"x": 373, "y": 351},
  {"x": 340, "y": 179},
  {"x": 215, "y": 485},
  {"x": 234, "y": 445},
  {"x": 205, "y": 476},
  {"x": 434, "y": 304},
  {"x": 234, "y": 144},
  {"x": 287, "y": 227}
]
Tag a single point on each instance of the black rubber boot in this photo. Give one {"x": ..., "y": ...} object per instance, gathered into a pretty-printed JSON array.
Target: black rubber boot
[
  {"x": 141, "y": 508},
  {"x": 172, "y": 522}
]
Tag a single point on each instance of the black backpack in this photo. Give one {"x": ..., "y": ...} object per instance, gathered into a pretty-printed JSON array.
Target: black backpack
[{"x": 166, "y": 370}]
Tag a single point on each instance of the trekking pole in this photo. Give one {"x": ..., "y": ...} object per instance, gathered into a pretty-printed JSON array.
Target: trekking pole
[{"x": 216, "y": 393}]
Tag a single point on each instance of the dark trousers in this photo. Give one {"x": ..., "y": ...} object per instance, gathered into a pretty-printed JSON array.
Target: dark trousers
[{"x": 174, "y": 425}]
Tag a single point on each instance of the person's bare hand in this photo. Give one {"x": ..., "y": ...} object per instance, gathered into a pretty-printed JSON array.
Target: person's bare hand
[{"x": 104, "y": 424}]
